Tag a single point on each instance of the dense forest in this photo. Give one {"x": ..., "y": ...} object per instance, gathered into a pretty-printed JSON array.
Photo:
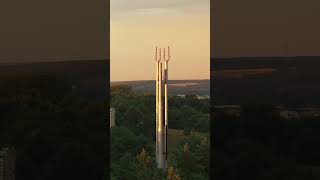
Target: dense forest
[
  {"x": 261, "y": 144},
  {"x": 132, "y": 139},
  {"x": 56, "y": 134},
  {"x": 59, "y": 135}
]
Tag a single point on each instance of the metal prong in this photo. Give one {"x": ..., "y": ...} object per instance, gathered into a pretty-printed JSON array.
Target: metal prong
[
  {"x": 164, "y": 56},
  {"x": 157, "y": 58}
]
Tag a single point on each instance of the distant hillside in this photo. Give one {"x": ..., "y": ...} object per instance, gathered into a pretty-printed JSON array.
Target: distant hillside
[
  {"x": 290, "y": 81},
  {"x": 89, "y": 78},
  {"x": 199, "y": 87}
]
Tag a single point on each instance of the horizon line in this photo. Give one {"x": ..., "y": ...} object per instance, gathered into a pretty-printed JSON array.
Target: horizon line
[
  {"x": 251, "y": 57},
  {"x": 19, "y": 62},
  {"x": 154, "y": 80}
]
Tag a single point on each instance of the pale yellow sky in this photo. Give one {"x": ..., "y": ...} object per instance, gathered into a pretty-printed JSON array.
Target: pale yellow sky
[{"x": 137, "y": 28}]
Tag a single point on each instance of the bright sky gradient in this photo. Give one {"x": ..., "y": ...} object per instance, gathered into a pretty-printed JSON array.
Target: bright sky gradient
[{"x": 140, "y": 25}]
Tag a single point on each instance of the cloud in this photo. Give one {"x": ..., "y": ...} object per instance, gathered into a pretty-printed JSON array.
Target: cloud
[
  {"x": 156, "y": 7},
  {"x": 155, "y": 11}
]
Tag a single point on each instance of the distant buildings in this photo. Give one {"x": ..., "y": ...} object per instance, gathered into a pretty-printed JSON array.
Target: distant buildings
[
  {"x": 200, "y": 97},
  {"x": 112, "y": 117},
  {"x": 203, "y": 97},
  {"x": 289, "y": 114},
  {"x": 181, "y": 95},
  {"x": 286, "y": 113},
  {"x": 7, "y": 163},
  {"x": 309, "y": 112}
]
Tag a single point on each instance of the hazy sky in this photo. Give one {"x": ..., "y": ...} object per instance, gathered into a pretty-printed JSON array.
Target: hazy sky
[
  {"x": 265, "y": 28},
  {"x": 40, "y": 30},
  {"x": 137, "y": 26}
]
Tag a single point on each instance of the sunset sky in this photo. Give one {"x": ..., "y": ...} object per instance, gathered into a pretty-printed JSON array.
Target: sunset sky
[
  {"x": 60, "y": 30},
  {"x": 137, "y": 27}
]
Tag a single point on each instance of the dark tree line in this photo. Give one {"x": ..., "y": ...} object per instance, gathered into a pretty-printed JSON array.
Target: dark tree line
[
  {"x": 261, "y": 144},
  {"x": 136, "y": 110},
  {"x": 57, "y": 135},
  {"x": 134, "y": 134}
]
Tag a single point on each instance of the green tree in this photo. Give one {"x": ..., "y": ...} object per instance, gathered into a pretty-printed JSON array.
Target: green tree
[
  {"x": 146, "y": 167},
  {"x": 172, "y": 175}
]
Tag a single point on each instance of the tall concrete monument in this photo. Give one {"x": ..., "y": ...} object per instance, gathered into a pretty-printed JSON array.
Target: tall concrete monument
[{"x": 162, "y": 61}]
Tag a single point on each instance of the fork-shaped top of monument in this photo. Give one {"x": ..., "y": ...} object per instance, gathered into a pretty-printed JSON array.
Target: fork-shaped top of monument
[
  {"x": 164, "y": 54},
  {"x": 158, "y": 56}
]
